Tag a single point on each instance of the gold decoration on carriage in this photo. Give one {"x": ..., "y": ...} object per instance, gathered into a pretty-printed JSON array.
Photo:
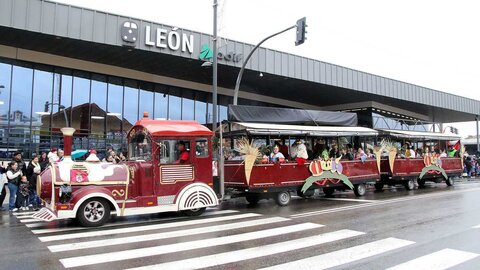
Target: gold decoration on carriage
[{"x": 118, "y": 193}]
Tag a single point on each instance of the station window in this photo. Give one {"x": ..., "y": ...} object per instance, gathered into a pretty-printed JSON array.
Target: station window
[{"x": 201, "y": 148}]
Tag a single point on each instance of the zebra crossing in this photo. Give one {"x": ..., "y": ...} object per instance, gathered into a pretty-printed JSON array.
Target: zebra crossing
[{"x": 224, "y": 237}]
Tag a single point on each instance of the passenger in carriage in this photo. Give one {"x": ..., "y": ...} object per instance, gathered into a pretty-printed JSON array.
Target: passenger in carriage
[
  {"x": 276, "y": 155},
  {"x": 301, "y": 154},
  {"x": 347, "y": 154},
  {"x": 184, "y": 156},
  {"x": 283, "y": 148},
  {"x": 294, "y": 149},
  {"x": 309, "y": 151},
  {"x": 369, "y": 154},
  {"x": 418, "y": 153},
  {"x": 443, "y": 154},
  {"x": 360, "y": 155},
  {"x": 351, "y": 151},
  {"x": 335, "y": 152},
  {"x": 409, "y": 153}
]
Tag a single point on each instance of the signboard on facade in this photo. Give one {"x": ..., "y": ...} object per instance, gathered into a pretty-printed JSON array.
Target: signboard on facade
[{"x": 173, "y": 40}]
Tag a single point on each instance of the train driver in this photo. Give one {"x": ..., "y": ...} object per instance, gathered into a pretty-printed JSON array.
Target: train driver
[{"x": 184, "y": 156}]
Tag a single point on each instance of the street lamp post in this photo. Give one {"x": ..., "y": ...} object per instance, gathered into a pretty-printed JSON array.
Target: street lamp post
[
  {"x": 300, "y": 25},
  {"x": 215, "y": 102}
]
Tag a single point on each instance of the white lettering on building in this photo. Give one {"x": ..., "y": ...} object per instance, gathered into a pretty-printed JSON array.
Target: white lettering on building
[
  {"x": 148, "y": 41},
  {"x": 187, "y": 43},
  {"x": 161, "y": 38},
  {"x": 171, "y": 39}
]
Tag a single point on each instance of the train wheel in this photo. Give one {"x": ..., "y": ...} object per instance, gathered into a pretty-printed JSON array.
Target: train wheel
[
  {"x": 410, "y": 185},
  {"x": 93, "y": 212},
  {"x": 421, "y": 183},
  {"x": 328, "y": 191},
  {"x": 252, "y": 199},
  {"x": 359, "y": 189},
  {"x": 194, "y": 212},
  {"x": 283, "y": 198},
  {"x": 450, "y": 182},
  {"x": 379, "y": 186}
]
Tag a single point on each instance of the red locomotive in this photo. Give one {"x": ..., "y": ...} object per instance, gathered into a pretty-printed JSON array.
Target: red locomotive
[{"x": 152, "y": 181}]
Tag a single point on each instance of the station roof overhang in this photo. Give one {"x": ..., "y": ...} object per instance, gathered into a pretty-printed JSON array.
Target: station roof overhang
[{"x": 284, "y": 76}]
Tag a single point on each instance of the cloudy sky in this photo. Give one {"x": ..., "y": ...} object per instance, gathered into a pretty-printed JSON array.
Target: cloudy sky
[{"x": 432, "y": 43}]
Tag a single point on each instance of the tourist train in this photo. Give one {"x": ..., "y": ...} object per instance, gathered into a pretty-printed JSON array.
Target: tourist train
[{"x": 267, "y": 153}]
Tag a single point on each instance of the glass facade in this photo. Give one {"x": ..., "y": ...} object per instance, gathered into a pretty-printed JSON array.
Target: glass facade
[{"x": 37, "y": 100}]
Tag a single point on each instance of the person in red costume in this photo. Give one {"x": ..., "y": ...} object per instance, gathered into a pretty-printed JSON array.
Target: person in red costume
[{"x": 184, "y": 157}]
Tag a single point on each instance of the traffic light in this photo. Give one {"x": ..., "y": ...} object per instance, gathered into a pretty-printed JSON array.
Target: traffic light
[
  {"x": 46, "y": 106},
  {"x": 301, "y": 26}
]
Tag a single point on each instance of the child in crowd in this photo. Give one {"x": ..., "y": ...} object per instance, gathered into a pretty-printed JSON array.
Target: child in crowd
[{"x": 23, "y": 193}]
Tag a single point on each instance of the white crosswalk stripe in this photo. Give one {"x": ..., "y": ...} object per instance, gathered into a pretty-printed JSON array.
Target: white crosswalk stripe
[
  {"x": 183, "y": 246},
  {"x": 158, "y": 236},
  {"x": 23, "y": 216},
  {"x": 24, "y": 213},
  {"x": 256, "y": 252},
  {"x": 439, "y": 260},
  {"x": 29, "y": 220},
  {"x": 144, "y": 228},
  {"x": 130, "y": 241},
  {"x": 348, "y": 255},
  {"x": 75, "y": 228}
]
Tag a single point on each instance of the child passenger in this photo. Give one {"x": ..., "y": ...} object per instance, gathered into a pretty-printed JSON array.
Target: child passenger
[{"x": 276, "y": 155}]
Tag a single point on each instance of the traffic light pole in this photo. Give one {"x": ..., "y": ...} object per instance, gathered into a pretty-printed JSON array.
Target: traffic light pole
[{"x": 240, "y": 74}]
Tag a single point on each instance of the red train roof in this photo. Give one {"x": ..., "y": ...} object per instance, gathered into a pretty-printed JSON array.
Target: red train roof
[{"x": 174, "y": 128}]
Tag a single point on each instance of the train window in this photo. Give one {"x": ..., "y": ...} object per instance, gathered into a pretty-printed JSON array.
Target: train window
[
  {"x": 201, "y": 148},
  {"x": 169, "y": 153},
  {"x": 140, "y": 147}
]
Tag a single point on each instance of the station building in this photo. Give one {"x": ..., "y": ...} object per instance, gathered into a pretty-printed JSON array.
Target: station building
[{"x": 99, "y": 72}]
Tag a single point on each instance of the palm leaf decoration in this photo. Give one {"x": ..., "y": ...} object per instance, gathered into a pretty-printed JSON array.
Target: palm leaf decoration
[
  {"x": 433, "y": 168},
  {"x": 326, "y": 175}
]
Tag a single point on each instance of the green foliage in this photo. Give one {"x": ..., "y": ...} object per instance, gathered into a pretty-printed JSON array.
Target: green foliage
[
  {"x": 433, "y": 168},
  {"x": 326, "y": 175}
]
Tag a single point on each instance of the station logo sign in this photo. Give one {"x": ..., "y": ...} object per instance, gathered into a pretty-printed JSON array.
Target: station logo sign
[
  {"x": 129, "y": 32},
  {"x": 206, "y": 54}
]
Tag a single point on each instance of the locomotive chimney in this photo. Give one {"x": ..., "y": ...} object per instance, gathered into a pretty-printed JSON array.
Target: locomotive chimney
[{"x": 67, "y": 141}]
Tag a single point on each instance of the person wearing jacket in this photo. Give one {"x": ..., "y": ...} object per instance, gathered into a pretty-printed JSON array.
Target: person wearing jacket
[
  {"x": 17, "y": 157},
  {"x": 33, "y": 170},
  {"x": 13, "y": 177},
  {"x": 3, "y": 187}
]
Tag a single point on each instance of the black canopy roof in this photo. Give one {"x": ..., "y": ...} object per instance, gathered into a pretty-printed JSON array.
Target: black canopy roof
[{"x": 272, "y": 115}]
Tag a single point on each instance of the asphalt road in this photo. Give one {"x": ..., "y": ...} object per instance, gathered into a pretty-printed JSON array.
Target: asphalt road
[{"x": 437, "y": 227}]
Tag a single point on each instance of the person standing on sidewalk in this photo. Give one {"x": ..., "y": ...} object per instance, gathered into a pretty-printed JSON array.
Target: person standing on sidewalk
[
  {"x": 33, "y": 170},
  {"x": 17, "y": 157},
  {"x": 3, "y": 186},
  {"x": 13, "y": 177}
]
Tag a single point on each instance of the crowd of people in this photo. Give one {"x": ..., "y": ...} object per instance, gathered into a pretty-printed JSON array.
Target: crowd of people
[{"x": 21, "y": 179}]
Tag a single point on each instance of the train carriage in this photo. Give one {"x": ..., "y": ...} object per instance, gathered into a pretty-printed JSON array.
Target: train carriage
[
  {"x": 431, "y": 166},
  {"x": 279, "y": 180}
]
